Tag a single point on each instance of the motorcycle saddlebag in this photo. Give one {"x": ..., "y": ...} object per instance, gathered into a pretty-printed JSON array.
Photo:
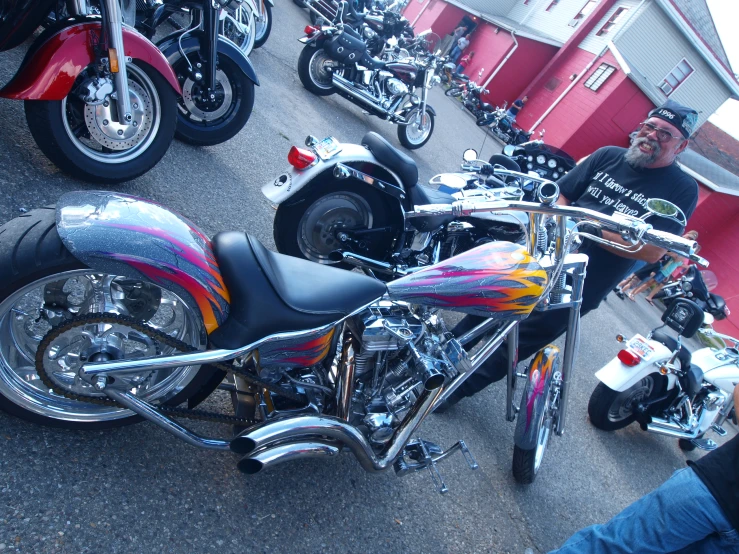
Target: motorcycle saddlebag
[{"x": 345, "y": 48}]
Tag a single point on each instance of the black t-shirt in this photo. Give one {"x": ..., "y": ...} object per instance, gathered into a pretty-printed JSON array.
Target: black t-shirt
[
  {"x": 516, "y": 107},
  {"x": 606, "y": 183},
  {"x": 719, "y": 471}
]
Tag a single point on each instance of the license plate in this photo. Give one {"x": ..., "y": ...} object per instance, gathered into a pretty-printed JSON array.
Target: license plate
[
  {"x": 640, "y": 346},
  {"x": 327, "y": 148}
]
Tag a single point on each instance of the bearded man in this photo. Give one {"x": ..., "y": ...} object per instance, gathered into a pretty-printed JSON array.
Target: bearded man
[{"x": 612, "y": 179}]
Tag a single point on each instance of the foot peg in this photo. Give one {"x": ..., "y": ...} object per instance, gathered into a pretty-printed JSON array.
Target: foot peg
[
  {"x": 720, "y": 431},
  {"x": 423, "y": 454},
  {"x": 705, "y": 444}
]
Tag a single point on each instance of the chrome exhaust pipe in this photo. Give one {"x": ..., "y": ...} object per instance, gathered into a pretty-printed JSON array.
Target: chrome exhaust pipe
[
  {"x": 367, "y": 99},
  {"x": 664, "y": 427},
  {"x": 288, "y": 452},
  {"x": 298, "y": 428}
]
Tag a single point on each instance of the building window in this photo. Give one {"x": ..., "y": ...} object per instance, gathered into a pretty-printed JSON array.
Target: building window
[
  {"x": 526, "y": 2},
  {"x": 552, "y": 84},
  {"x": 583, "y": 13},
  {"x": 612, "y": 22},
  {"x": 551, "y": 5},
  {"x": 599, "y": 76},
  {"x": 675, "y": 77}
]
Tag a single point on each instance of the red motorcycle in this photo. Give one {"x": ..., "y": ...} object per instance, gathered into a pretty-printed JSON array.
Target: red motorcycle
[{"x": 100, "y": 99}]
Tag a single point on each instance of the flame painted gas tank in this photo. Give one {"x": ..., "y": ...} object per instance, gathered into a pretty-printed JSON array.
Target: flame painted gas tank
[
  {"x": 406, "y": 72},
  {"x": 496, "y": 280}
]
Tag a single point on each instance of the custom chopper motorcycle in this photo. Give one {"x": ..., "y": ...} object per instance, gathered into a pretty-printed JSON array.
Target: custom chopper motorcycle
[
  {"x": 100, "y": 99},
  {"x": 324, "y": 217},
  {"x": 658, "y": 382},
  {"x": 113, "y": 307},
  {"x": 336, "y": 59}
]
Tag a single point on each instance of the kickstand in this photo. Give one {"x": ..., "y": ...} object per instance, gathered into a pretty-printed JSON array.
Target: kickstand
[{"x": 425, "y": 455}]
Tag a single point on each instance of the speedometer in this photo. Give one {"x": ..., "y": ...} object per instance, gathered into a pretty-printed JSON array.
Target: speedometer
[
  {"x": 541, "y": 159},
  {"x": 551, "y": 164}
]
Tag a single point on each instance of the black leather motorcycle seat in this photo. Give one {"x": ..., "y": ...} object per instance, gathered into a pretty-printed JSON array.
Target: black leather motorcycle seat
[
  {"x": 422, "y": 194},
  {"x": 273, "y": 293},
  {"x": 371, "y": 63},
  {"x": 684, "y": 355},
  {"x": 393, "y": 158}
]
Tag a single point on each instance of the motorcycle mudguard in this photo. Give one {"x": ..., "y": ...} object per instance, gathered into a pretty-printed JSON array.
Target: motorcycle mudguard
[
  {"x": 290, "y": 183},
  {"x": 543, "y": 366},
  {"x": 270, "y": 2},
  {"x": 124, "y": 235},
  {"x": 50, "y": 72},
  {"x": 617, "y": 376},
  {"x": 170, "y": 46}
]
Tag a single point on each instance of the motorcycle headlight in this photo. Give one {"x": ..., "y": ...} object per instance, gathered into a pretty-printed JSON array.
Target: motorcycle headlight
[{"x": 687, "y": 286}]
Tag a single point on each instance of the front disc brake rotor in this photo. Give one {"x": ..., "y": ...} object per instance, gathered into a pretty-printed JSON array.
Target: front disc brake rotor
[
  {"x": 102, "y": 120},
  {"x": 207, "y": 109}
]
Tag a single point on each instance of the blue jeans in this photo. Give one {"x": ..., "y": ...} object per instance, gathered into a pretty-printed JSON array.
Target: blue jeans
[
  {"x": 455, "y": 54},
  {"x": 680, "y": 516}
]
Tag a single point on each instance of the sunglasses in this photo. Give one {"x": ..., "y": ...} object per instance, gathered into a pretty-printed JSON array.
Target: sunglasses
[{"x": 662, "y": 135}]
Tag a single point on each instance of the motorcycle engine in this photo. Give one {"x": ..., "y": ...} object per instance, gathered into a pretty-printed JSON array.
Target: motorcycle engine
[
  {"x": 395, "y": 87},
  {"x": 401, "y": 352}
]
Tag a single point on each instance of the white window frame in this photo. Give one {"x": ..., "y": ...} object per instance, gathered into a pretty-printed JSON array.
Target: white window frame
[
  {"x": 552, "y": 5},
  {"x": 580, "y": 16},
  {"x": 668, "y": 88},
  {"x": 612, "y": 21},
  {"x": 599, "y": 76}
]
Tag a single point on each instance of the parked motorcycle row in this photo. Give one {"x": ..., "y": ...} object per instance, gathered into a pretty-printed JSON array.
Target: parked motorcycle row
[
  {"x": 103, "y": 102},
  {"x": 99, "y": 329}
]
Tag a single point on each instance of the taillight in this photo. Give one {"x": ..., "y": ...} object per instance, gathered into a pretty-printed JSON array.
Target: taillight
[
  {"x": 309, "y": 29},
  {"x": 300, "y": 158},
  {"x": 629, "y": 357}
]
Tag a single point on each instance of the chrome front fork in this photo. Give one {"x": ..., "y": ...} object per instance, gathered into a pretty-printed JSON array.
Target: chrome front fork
[{"x": 117, "y": 55}]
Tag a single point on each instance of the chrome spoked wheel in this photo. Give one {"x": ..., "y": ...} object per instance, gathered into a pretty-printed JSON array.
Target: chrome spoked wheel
[
  {"x": 420, "y": 127},
  {"x": 545, "y": 431},
  {"x": 319, "y": 69},
  {"x": 31, "y": 312},
  {"x": 326, "y": 218},
  {"x": 238, "y": 26},
  {"x": 95, "y": 131}
]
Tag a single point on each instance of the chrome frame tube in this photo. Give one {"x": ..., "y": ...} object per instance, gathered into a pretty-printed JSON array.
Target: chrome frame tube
[
  {"x": 346, "y": 380},
  {"x": 572, "y": 342},
  {"x": 477, "y": 331},
  {"x": 115, "y": 36},
  {"x": 150, "y": 413},
  {"x": 123, "y": 367}
]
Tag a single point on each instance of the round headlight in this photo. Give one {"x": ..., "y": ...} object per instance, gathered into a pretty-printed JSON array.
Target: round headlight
[
  {"x": 541, "y": 159},
  {"x": 555, "y": 175},
  {"x": 551, "y": 164},
  {"x": 529, "y": 166},
  {"x": 687, "y": 286}
]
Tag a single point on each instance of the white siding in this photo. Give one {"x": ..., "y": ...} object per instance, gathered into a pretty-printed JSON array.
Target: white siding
[
  {"x": 653, "y": 46},
  {"x": 595, "y": 44},
  {"x": 554, "y": 23},
  {"x": 492, "y": 7}
]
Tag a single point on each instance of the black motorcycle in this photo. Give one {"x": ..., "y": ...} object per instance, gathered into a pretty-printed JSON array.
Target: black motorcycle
[
  {"x": 336, "y": 59},
  {"x": 692, "y": 285},
  {"x": 471, "y": 95},
  {"x": 502, "y": 126}
]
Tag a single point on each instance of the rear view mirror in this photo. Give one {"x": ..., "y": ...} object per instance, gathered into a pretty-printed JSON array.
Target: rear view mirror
[{"x": 469, "y": 155}]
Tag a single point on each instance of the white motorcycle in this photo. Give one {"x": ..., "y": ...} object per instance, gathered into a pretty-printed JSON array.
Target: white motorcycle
[{"x": 656, "y": 381}]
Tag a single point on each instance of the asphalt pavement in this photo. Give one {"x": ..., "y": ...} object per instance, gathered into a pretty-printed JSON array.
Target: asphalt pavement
[{"x": 138, "y": 489}]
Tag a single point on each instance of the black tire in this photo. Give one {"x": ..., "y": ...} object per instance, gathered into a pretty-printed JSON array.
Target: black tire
[
  {"x": 610, "y": 410},
  {"x": 410, "y": 143},
  {"x": 31, "y": 250},
  {"x": 453, "y": 92},
  {"x": 524, "y": 465},
  {"x": 193, "y": 129},
  {"x": 299, "y": 3},
  {"x": 318, "y": 85},
  {"x": 293, "y": 221},
  {"x": 259, "y": 41},
  {"x": 46, "y": 121}
]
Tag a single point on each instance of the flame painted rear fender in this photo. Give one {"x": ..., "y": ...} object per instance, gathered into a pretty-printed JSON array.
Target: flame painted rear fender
[
  {"x": 289, "y": 184},
  {"x": 543, "y": 367},
  {"x": 51, "y": 71},
  {"x": 617, "y": 376},
  {"x": 124, "y": 235},
  {"x": 171, "y": 44}
]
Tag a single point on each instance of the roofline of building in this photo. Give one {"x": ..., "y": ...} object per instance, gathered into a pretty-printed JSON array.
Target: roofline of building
[
  {"x": 637, "y": 78},
  {"x": 724, "y": 73},
  {"x": 491, "y": 19},
  {"x": 710, "y": 184}
]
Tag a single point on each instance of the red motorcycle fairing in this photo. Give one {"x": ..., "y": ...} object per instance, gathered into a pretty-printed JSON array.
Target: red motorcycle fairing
[{"x": 51, "y": 71}]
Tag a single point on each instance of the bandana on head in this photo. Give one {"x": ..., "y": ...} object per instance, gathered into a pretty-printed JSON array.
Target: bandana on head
[{"x": 682, "y": 117}]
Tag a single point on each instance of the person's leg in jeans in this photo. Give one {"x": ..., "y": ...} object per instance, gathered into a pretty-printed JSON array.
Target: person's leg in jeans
[{"x": 680, "y": 516}]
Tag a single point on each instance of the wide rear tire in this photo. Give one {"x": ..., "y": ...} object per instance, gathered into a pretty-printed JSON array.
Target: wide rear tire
[
  {"x": 611, "y": 410},
  {"x": 42, "y": 285},
  {"x": 312, "y": 73}
]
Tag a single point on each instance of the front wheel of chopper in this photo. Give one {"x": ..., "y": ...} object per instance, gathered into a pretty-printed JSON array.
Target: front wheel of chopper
[
  {"x": 207, "y": 118},
  {"x": 312, "y": 226},
  {"x": 418, "y": 131},
  {"x": 56, "y": 313},
  {"x": 87, "y": 141},
  {"x": 314, "y": 70}
]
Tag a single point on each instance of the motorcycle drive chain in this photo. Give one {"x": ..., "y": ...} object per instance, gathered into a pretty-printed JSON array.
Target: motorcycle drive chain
[{"x": 159, "y": 337}]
